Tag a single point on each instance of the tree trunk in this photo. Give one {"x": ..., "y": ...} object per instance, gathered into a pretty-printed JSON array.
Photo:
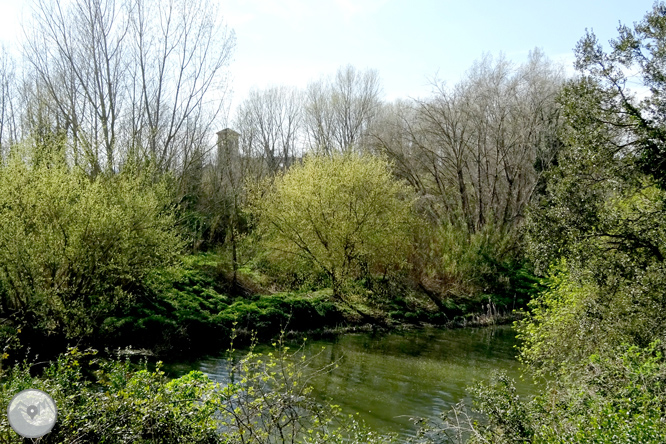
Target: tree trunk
[{"x": 465, "y": 201}]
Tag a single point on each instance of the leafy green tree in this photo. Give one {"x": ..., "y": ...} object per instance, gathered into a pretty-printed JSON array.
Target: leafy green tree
[
  {"x": 603, "y": 209},
  {"x": 615, "y": 143},
  {"x": 639, "y": 120},
  {"x": 342, "y": 215},
  {"x": 598, "y": 234},
  {"x": 73, "y": 249}
]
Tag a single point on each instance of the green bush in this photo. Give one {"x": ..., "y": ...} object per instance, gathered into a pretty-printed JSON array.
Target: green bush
[
  {"x": 342, "y": 215},
  {"x": 108, "y": 401},
  {"x": 616, "y": 398},
  {"x": 455, "y": 264},
  {"x": 73, "y": 249},
  {"x": 269, "y": 314},
  {"x": 177, "y": 309},
  {"x": 184, "y": 308},
  {"x": 102, "y": 401}
]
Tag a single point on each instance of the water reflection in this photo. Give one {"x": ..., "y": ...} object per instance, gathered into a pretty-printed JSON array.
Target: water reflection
[{"x": 389, "y": 378}]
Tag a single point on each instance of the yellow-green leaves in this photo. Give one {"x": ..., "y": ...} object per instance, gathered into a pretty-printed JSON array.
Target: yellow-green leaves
[
  {"x": 72, "y": 248},
  {"x": 340, "y": 215}
]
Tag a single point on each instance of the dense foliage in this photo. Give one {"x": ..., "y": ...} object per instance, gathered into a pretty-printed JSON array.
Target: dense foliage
[
  {"x": 614, "y": 399},
  {"x": 343, "y": 215},
  {"x": 72, "y": 249},
  {"x": 186, "y": 308},
  {"x": 602, "y": 216},
  {"x": 595, "y": 335},
  {"x": 106, "y": 182}
]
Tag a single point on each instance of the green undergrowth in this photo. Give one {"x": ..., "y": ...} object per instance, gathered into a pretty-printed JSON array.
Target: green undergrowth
[
  {"x": 615, "y": 398},
  {"x": 191, "y": 307},
  {"x": 267, "y": 400}
]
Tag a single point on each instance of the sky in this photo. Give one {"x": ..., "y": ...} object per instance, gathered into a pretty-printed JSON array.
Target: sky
[{"x": 408, "y": 42}]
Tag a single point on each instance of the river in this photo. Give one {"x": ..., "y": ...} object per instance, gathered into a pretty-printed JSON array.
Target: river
[{"x": 388, "y": 378}]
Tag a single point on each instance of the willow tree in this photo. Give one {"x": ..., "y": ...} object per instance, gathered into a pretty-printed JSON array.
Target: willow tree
[{"x": 341, "y": 215}]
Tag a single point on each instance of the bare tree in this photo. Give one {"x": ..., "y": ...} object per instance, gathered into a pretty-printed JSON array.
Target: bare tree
[
  {"x": 270, "y": 123},
  {"x": 77, "y": 53},
  {"x": 449, "y": 133},
  {"x": 319, "y": 117},
  {"x": 139, "y": 79},
  {"x": 517, "y": 119},
  {"x": 40, "y": 123},
  {"x": 339, "y": 111},
  {"x": 179, "y": 50},
  {"x": 9, "y": 124},
  {"x": 471, "y": 150}
]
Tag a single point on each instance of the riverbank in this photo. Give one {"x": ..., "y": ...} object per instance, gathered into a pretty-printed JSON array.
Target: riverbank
[
  {"x": 188, "y": 310},
  {"x": 472, "y": 321},
  {"x": 193, "y": 307}
]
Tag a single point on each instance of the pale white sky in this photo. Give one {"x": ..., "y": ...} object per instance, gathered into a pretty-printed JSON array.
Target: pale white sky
[{"x": 408, "y": 41}]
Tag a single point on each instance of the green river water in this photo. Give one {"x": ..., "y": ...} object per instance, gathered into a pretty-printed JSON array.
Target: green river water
[{"x": 388, "y": 378}]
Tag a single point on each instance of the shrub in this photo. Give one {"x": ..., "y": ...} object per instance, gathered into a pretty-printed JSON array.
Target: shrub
[
  {"x": 342, "y": 215},
  {"x": 72, "y": 248},
  {"x": 269, "y": 314},
  {"x": 453, "y": 263},
  {"x": 177, "y": 309},
  {"x": 615, "y": 398},
  {"x": 115, "y": 403},
  {"x": 102, "y": 401},
  {"x": 183, "y": 308}
]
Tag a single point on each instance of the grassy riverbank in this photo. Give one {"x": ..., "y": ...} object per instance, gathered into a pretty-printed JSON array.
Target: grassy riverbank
[
  {"x": 192, "y": 307},
  {"x": 113, "y": 261}
]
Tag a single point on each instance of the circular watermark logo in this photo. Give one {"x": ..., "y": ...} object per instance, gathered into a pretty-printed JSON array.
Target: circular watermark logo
[{"x": 32, "y": 413}]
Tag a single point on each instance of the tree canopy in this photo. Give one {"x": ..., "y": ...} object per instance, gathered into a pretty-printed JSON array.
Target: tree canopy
[
  {"x": 340, "y": 214},
  {"x": 601, "y": 219},
  {"x": 72, "y": 249}
]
